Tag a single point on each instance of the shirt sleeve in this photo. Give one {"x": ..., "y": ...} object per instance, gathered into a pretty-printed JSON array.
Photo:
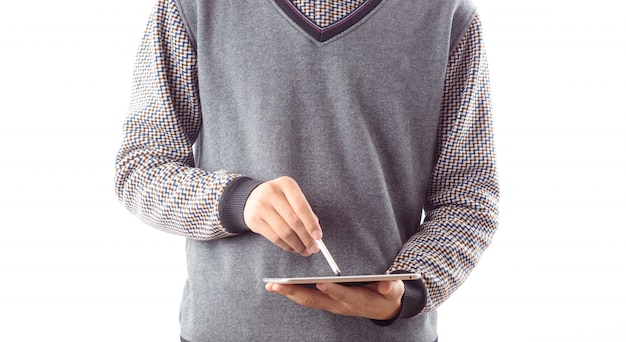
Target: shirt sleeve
[
  {"x": 155, "y": 174},
  {"x": 461, "y": 207}
]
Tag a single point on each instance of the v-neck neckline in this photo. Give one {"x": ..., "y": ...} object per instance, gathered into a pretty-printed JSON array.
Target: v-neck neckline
[{"x": 324, "y": 24}]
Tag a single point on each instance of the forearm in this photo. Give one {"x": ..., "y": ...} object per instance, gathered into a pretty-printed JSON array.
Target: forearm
[{"x": 176, "y": 198}]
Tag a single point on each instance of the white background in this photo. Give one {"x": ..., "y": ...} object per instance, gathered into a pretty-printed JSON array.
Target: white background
[{"x": 75, "y": 266}]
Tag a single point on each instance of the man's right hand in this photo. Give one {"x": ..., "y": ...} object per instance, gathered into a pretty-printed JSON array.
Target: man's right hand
[{"x": 279, "y": 211}]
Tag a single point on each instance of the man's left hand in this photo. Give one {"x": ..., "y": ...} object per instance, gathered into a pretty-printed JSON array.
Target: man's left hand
[{"x": 380, "y": 300}]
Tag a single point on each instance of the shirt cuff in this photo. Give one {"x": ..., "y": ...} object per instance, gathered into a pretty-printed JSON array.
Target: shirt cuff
[
  {"x": 413, "y": 301},
  {"x": 232, "y": 203}
]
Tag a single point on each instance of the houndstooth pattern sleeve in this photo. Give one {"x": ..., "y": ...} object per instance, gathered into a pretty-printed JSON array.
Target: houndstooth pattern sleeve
[
  {"x": 155, "y": 174},
  {"x": 461, "y": 204}
]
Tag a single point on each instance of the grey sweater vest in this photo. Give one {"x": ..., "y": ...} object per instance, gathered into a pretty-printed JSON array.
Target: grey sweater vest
[{"x": 352, "y": 119}]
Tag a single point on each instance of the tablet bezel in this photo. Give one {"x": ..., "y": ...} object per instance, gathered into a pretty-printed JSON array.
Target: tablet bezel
[{"x": 343, "y": 279}]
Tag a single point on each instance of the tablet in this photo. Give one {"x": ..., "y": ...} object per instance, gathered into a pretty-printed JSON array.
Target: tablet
[{"x": 343, "y": 279}]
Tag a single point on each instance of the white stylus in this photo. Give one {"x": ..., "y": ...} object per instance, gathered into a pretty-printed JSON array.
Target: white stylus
[{"x": 328, "y": 257}]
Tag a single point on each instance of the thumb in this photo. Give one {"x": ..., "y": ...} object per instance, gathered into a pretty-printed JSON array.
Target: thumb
[{"x": 384, "y": 287}]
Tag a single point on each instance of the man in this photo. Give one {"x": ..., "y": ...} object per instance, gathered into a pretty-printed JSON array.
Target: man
[{"x": 257, "y": 127}]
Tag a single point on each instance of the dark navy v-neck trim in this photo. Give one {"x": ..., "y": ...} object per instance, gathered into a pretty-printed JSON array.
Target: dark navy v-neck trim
[{"x": 322, "y": 34}]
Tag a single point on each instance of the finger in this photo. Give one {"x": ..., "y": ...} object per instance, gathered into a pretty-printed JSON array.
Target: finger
[
  {"x": 395, "y": 288},
  {"x": 384, "y": 287},
  {"x": 282, "y": 206},
  {"x": 291, "y": 220},
  {"x": 389, "y": 289},
  {"x": 266, "y": 230},
  {"x": 303, "y": 296},
  {"x": 261, "y": 216},
  {"x": 366, "y": 301},
  {"x": 336, "y": 291},
  {"x": 302, "y": 210},
  {"x": 286, "y": 232},
  {"x": 346, "y": 300}
]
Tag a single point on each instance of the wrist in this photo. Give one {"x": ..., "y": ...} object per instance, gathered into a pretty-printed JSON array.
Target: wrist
[
  {"x": 412, "y": 303},
  {"x": 232, "y": 203}
]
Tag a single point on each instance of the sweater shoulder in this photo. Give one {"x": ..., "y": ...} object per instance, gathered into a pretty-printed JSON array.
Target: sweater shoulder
[
  {"x": 457, "y": 15},
  {"x": 188, "y": 12},
  {"x": 464, "y": 12}
]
